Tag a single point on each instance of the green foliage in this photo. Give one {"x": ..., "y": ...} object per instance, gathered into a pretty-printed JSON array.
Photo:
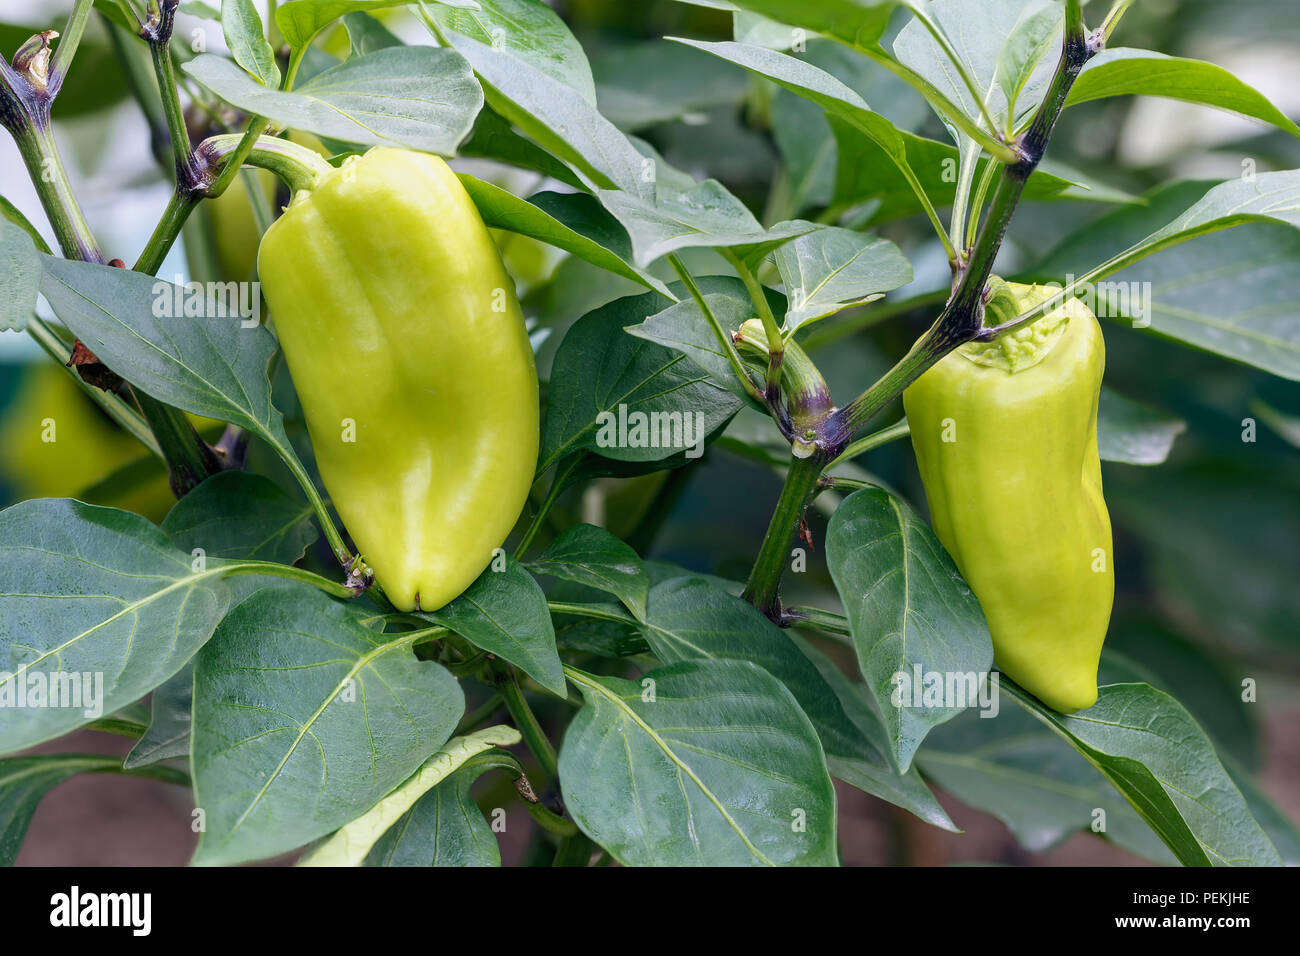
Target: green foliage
[{"x": 836, "y": 170}]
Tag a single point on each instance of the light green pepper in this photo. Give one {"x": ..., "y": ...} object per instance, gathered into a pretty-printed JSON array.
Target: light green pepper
[
  {"x": 1005, "y": 434},
  {"x": 408, "y": 350}
]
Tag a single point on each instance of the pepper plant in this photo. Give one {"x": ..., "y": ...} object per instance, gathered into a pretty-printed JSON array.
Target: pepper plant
[{"x": 597, "y": 700}]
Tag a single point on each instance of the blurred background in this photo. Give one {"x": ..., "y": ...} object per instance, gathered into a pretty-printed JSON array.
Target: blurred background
[{"x": 1207, "y": 544}]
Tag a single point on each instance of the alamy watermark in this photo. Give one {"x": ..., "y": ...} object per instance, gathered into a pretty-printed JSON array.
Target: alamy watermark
[
  {"x": 1115, "y": 300},
  {"x": 208, "y": 300},
  {"x": 638, "y": 429},
  {"x": 27, "y": 688},
  {"x": 922, "y": 689}
]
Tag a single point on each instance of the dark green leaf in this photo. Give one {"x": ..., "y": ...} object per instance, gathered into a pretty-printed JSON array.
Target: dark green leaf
[
  {"x": 1133, "y": 433},
  {"x": 504, "y": 613},
  {"x": 602, "y": 376},
  {"x": 1149, "y": 747},
  {"x": 701, "y": 763},
  {"x": 909, "y": 611},
  {"x": 304, "y": 718},
  {"x": 96, "y": 599},
  {"x": 592, "y": 556},
  {"x": 168, "y": 735},
  {"x": 235, "y": 514}
]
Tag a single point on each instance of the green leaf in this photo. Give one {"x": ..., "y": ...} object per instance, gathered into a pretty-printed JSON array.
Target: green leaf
[
  {"x": 819, "y": 87},
  {"x": 235, "y": 514},
  {"x": 685, "y": 215},
  {"x": 24, "y": 782},
  {"x": 1122, "y": 71},
  {"x": 1027, "y": 48},
  {"x": 504, "y": 613},
  {"x": 418, "y": 97},
  {"x": 645, "y": 84},
  {"x": 1004, "y": 46},
  {"x": 444, "y": 828},
  {"x": 683, "y": 328},
  {"x": 804, "y": 136},
  {"x": 494, "y": 138},
  {"x": 366, "y": 34},
  {"x": 1219, "y": 529},
  {"x": 1011, "y": 767},
  {"x": 206, "y": 365},
  {"x": 168, "y": 734},
  {"x": 300, "y": 20},
  {"x": 832, "y": 269},
  {"x": 856, "y": 22},
  {"x": 304, "y": 718},
  {"x": 20, "y": 270},
  {"x": 96, "y": 599},
  {"x": 10, "y": 213},
  {"x": 908, "y": 609},
  {"x": 197, "y": 8},
  {"x": 865, "y": 171},
  {"x": 700, "y": 763},
  {"x": 574, "y": 222},
  {"x": 1286, "y": 427},
  {"x": 1233, "y": 295},
  {"x": 1279, "y": 827},
  {"x": 691, "y": 618},
  {"x": 871, "y": 769},
  {"x": 242, "y": 26},
  {"x": 558, "y": 118},
  {"x": 601, "y": 374},
  {"x": 352, "y": 843},
  {"x": 591, "y": 556},
  {"x": 527, "y": 32},
  {"x": 1133, "y": 433},
  {"x": 1149, "y": 747}
]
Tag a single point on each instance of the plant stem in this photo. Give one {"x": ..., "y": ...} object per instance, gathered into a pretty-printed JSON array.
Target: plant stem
[
  {"x": 189, "y": 458},
  {"x": 68, "y": 43},
  {"x": 1117, "y": 11},
  {"x": 799, "y": 488},
  {"x": 557, "y": 486},
  {"x": 874, "y": 440},
  {"x": 977, "y": 205},
  {"x": 573, "y": 851},
  {"x": 157, "y": 32},
  {"x": 179, "y": 207},
  {"x": 25, "y": 111},
  {"x": 292, "y": 573},
  {"x": 775, "y": 340},
  {"x": 336, "y": 543},
  {"x": 724, "y": 340},
  {"x": 298, "y": 166},
  {"x": 114, "y": 407},
  {"x": 818, "y": 619},
  {"x": 233, "y": 162},
  {"x": 35, "y": 140},
  {"x": 525, "y": 720}
]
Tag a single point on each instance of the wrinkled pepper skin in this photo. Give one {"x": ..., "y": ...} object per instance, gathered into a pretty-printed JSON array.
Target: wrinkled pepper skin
[
  {"x": 395, "y": 313},
  {"x": 1015, "y": 493}
]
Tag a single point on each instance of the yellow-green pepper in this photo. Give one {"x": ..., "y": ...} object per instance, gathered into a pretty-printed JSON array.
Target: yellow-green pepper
[
  {"x": 1005, "y": 434},
  {"x": 409, "y": 354}
]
